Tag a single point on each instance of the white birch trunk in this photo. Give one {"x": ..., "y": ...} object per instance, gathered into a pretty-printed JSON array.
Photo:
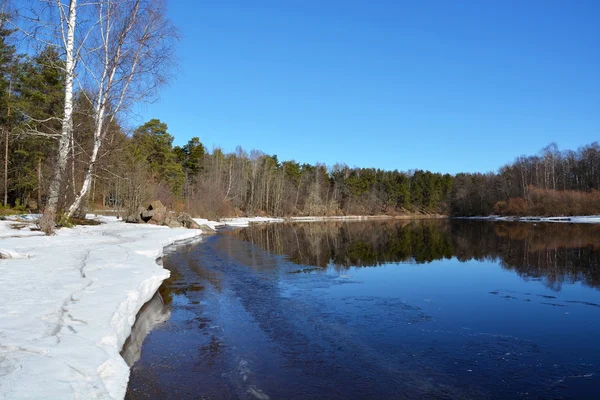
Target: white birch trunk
[
  {"x": 106, "y": 89},
  {"x": 67, "y": 120}
]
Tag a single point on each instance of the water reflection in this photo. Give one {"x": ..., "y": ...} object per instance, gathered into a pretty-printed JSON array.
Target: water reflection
[
  {"x": 243, "y": 326},
  {"x": 554, "y": 253},
  {"x": 152, "y": 314}
]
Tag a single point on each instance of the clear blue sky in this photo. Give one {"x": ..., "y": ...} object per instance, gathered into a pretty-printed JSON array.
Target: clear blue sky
[{"x": 443, "y": 85}]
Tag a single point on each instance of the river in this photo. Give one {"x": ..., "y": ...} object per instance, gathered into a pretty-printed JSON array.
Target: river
[{"x": 437, "y": 309}]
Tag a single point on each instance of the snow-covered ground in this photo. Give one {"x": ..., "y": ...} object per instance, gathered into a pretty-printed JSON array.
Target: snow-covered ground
[
  {"x": 585, "y": 219},
  {"x": 13, "y": 229},
  {"x": 68, "y": 302}
]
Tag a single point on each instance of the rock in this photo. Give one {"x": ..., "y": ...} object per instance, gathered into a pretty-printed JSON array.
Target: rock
[
  {"x": 172, "y": 222},
  {"x": 187, "y": 221},
  {"x": 147, "y": 215},
  {"x": 136, "y": 217},
  {"x": 156, "y": 213}
]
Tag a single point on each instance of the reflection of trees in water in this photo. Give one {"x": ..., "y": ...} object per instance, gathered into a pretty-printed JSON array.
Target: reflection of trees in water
[
  {"x": 354, "y": 243},
  {"x": 556, "y": 252},
  {"x": 351, "y": 244}
]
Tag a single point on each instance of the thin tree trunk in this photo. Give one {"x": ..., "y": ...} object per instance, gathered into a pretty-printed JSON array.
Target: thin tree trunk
[
  {"x": 51, "y": 209},
  {"x": 230, "y": 179},
  {"x": 73, "y": 164},
  {"x": 6, "y": 148},
  {"x": 39, "y": 188},
  {"x": 5, "y": 167},
  {"x": 87, "y": 182}
]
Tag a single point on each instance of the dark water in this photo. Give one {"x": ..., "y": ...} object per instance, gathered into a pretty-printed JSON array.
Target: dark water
[{"x": 379, "y": 310}]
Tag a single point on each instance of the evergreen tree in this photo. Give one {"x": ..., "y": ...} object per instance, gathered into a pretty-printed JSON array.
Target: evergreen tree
[
  {"x": 156, "y": 144},
  {"x": 8, "y": 66}
]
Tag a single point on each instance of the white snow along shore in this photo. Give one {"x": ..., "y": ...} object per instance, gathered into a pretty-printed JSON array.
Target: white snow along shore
[
  {"x": 68, "y": 302},
  {"x": 584, "y": 219}
]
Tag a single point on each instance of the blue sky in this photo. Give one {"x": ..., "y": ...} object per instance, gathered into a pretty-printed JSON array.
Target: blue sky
[{"x": 447, "y": 86}]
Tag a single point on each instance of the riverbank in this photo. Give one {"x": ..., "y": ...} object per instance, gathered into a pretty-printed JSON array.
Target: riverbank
[
  {"x": 246, "y": 221},
  {"x": 365, "y": 217},
  {"x": 68, "y": 303},
  {"x": 583, "y": 219}
]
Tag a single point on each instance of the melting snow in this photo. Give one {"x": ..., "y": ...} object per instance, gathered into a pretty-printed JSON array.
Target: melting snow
[{"x": 68, "y": 303}]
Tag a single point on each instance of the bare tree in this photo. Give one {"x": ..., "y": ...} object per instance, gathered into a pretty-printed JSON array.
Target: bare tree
[
  {"x": 116, "y": 52},
  {"x": 67, "y": 26},
  {"x": 128, "y": 61}
]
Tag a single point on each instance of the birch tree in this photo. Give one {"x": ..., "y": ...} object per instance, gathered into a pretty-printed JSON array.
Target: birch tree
[
  {"x": 64, "y": 34},
  {"x": 116, "y": 52},
  {"x": 129, "y": 58},
  {"x": 65, "y": 27}
]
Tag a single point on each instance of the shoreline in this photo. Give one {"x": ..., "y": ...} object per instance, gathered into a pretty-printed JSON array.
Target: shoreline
[
  {"x": 69, "y": 304},
  {"x": 580, "y": 219},
  {"x": 366, "y": 217},
  {"x": 71, "y": 300},
  {"x": 245, "y": 221}
]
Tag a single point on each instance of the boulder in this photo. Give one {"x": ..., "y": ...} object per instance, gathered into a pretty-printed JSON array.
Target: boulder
[
  {"x": 156, "y": 213},
  {"x": 147, "y": 215},
  {"x": 136, "y": 217},
  {"x": 172, "y": 222}
]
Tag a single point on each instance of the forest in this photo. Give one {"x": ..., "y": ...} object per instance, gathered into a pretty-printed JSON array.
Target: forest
[{"x": 68, "y": 148}]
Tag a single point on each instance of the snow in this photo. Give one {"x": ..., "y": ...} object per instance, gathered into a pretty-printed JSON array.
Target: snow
[
  {"x": 241, "y": 222},
  {"x": 340, "y": 218},
  {"x": 15, "y": 228},
  {"x": 68, "y": 303},
  {"x": 583, "y": 219}
]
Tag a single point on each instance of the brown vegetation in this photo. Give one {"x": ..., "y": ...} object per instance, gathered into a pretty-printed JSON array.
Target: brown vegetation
[
  {"x": 553, "y": 183},
  {"x": 549, "y": 202}
]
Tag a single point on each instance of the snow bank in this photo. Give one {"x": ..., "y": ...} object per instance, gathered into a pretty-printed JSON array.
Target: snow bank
[
  {"x": 68, "y": 305},
  {"x": 241, "y": 222},
  {"x": 340, "y": 218},
  {"x": 584, "y": 219}
]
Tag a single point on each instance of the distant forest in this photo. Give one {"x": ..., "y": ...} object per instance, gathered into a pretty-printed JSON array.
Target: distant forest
[{"x": 134, "y": 166}]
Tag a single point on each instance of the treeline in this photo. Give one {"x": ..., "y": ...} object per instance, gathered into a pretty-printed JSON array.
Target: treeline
[
  {"x": 89, "y": 159},
  {"x": 93, "y": 160},
  {"x": 215, "y": 184},
  {"x": 551, "y": 183}
]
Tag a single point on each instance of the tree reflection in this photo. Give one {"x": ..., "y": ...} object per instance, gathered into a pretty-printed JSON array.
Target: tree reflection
[{"x": 556, "y": 253}]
